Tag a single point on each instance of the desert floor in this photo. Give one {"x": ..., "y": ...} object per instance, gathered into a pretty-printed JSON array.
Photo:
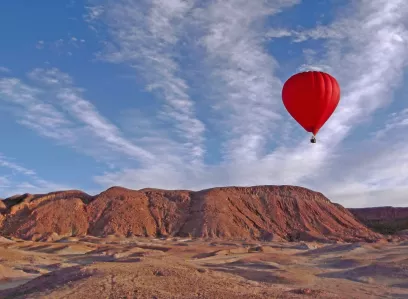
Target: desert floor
[{"x": 116, "y": 267}]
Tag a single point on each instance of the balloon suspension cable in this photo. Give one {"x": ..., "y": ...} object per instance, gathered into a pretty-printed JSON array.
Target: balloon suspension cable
[{"x": 313, "y": 139}]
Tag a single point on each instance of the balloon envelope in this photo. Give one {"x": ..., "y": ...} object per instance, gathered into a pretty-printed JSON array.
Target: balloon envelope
[{"x": 311, "y": 98}]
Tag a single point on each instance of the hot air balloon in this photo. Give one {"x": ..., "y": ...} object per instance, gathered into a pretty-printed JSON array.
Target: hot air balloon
[{"x": 311, "y": 98}]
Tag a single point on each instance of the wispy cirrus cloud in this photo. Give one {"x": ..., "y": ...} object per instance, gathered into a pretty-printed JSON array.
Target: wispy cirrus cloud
[
  {"x": 86, "y": 113},
  {"x": 5, "y": 162},
  {"x": 373, "y": 67},
  {"x": 248, "y": 92},
  {"x": 51, "y": 76},
  {"x": 396, "y": 120},
  {"x": 62, "y": 46},
  {"x": 144, "y": 35},
  {"x": 56, "y": 109},
  {"x": 93, "y": 12},
  {"x": 28, "y": 181},
  {"x": 34, "y": 113},
  {"x": 317, "y": 33},
  {"x": 373, "y": 174},
  {"x": 51, "y": 105},
  {"x": 152, "y": 37}
]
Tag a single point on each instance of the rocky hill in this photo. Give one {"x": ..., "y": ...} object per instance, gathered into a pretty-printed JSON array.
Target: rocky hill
[
  {"x": 252, "y": 213},
  {"x": 386, "y": 220}
]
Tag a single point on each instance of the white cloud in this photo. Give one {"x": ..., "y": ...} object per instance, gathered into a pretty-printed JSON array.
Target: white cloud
[
  {"x": 56, "y": 109},
  {"x": 318, "y": 33},
  {"x": 248, "y": 93},
  {"x": 35, "y": 113},
  {"x": 87, "y": 114},
  {"x": 60, "y": 112},
  {"x": 9, "y": 186},
  {"x": 314, "y": 67},
  {"x": 374, "y": 174},
  {"x": 4, "y": 69},
  {"x": 93, "y": 13},
  {"x": 62, "y": 46},
  {"x": 396, "y": 120},
  {"x": 4, "y": 162},
  {"x": 279, "y": 33},
  {"x": 49, "y": 76},
  {"x": 151, "y": 33},
  {"x": 144, "y": 35}
]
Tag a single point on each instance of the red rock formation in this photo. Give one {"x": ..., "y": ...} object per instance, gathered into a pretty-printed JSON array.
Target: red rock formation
[
  {"x": 381, "y": 213},
  {"x": 147, "y": 212},
  {"x": 387, "y": 220},
  {"x": 261, "y": 213},
  {"x": 264, "y": 212},
  {"x": 33, "y": 216}
]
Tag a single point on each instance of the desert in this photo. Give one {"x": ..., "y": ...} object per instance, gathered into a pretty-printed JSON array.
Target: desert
[
  {"x": 232, "y": 242},
  {"x": 203, "y": 149}
]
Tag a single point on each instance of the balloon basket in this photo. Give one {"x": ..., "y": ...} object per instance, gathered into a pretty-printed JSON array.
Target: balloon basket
[{"x": 313, "y": 140}]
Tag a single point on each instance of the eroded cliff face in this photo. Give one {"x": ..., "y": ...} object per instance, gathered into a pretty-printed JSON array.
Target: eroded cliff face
[
  {"x": 266, "y": 212},
  {"x": 258, "y": 213},
  {"x": 37, "y": 216}
]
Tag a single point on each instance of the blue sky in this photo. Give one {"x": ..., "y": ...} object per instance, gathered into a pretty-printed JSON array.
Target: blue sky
[{"x": 186, "y": 94}]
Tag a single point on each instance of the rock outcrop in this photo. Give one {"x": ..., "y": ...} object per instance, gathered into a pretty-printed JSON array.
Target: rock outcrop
[
  {"x": 386, "y": 220},
  {"x": 252, "y": 213}
]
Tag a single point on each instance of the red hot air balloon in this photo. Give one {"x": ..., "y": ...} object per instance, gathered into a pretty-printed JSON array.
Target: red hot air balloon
[{"x": 311, "y": 98}]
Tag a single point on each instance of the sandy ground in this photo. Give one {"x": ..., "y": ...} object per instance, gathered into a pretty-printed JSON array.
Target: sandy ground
[{"x": 182, "y": 268}]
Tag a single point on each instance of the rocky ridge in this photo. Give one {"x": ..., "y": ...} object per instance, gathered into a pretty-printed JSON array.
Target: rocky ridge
[{"x": 251, "y": 213}]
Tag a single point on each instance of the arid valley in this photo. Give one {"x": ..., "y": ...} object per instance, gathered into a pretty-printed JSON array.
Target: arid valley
[
  {"x": 182, "y": 268},
  {"x": 232, "y": 242}
]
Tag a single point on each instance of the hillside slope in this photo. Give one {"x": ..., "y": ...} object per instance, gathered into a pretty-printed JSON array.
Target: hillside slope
[
  {"x": 253, "y": 213},
  {"x": 386, "y": 220}
]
